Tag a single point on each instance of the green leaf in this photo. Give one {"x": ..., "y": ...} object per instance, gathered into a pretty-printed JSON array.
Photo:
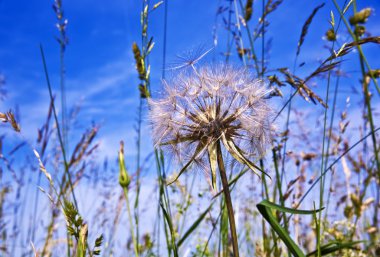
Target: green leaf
[
  {"x": 287, "y": 210},
  {"x": 334, "y": 246},
  {"x": 265, "y": 208},
  {"x": 171, "y": 229},
  {"x": 194, "y": 226},
  {"x": 167, "y": 218}
]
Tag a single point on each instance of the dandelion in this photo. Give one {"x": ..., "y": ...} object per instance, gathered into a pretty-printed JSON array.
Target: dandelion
[
  {"x": 204, "y": 107},
  {"x": 210, "y": 107}
]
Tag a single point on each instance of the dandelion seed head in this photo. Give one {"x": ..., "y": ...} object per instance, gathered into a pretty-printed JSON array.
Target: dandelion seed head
[{"x": 216, "y": 103}]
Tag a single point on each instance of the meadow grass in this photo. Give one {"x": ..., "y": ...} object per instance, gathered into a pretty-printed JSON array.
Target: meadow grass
[{"x": 331, "y": 170}]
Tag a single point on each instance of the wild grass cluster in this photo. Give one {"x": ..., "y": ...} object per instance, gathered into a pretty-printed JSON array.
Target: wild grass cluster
[{"x": 247, "y": 159}]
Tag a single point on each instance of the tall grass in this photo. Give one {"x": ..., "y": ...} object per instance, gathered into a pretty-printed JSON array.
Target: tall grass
[{"x": 321, "y": 196}]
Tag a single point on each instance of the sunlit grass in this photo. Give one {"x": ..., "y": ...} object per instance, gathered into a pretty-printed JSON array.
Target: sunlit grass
[{"x": 317, "y": 192}]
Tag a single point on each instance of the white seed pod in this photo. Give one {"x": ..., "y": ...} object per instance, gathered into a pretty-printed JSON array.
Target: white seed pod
[{"x": 210, "y": 105}]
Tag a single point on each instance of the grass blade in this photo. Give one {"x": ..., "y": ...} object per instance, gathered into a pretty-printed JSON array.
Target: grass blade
[
  {"x": 194, "y": 226},
  {"x": 335, "y": 246},
  {"x": 265, "y": 208}
]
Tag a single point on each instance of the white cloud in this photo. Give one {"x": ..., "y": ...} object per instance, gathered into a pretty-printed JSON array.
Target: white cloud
[{"x": 108, "y": 95}]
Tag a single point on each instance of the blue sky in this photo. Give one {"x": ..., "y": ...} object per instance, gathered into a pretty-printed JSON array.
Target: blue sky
[{"x": 101, "y": 76}]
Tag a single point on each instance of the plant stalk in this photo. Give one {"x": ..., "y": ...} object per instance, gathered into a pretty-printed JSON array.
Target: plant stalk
[
  {"x": 227, "y": 196},
  {"x": 134, "y": 241}
]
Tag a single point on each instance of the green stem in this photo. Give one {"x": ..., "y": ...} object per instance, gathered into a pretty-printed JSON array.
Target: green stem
[
  {"x": 135, "y": 248},
  {"x": 60, "y": 138},
  {"x": 138, "y": 169},
  {"x": 251, "y": 42},
  {"x": 359, "y": 48},
  {"x": 227, "y": 196},
  {"x": 238, "y": 28},
  {"x": 228, "y": 34},
  {"x": 267, "y": 247},
  {"x": 367, "y": 103}
]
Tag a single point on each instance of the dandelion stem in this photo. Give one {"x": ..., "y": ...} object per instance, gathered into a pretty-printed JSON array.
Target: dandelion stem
[{"x": 227, "y": 196}]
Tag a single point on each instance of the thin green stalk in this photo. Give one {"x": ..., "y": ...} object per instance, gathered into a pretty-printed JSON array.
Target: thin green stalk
[
  {"x": 145, "y": 81},
  {"x": 287, "y": 103},
  {"x": 261, "y": 75},
  {"x": 138, "y": 170},
  {"x": 329, "y": 141},
  {"x": 323, "y": 161},
  {"x": 324, "y": 165},
  {"x": 331, "y": 165},
  {"x": 165, "y": 197},
  {"x": 228, "y": 34},
  {"x": 323, "y": 180},
  {"x": 60, "y": 138},
  {"x": 238, "y": 27},
  {"x": 212, "y": 231},
  {"x": 362, "y": 56},
  {"x": 223, "y": 233},
  {"x": 135, "y": 246},
  {"x": 63, "y": 91},
  {"x": 220, "y": 228},
  {"x": 364, "y": 64},
  {"x": 62, "y": 144},
  {"x": 164, "y": 203},
  {"x": 263, "y": 41},
  {"x": 186, "y": 205},
  {"x": 227, "y": 196},
  {"x": 169, "y": 221},
  {"x": 160, "y": 180},
  {"x": 251, "y": 42},
  {"x": 157, "y": 226},
  {"x": 367, "y": 99},
  {"x": 279, "y": 187},
  {"x": 266, "y": 191}
]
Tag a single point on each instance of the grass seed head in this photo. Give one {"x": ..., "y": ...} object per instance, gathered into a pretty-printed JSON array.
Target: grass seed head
[
  {"x": 9, "y": 117},
  {"x": 360, "y": 17}
]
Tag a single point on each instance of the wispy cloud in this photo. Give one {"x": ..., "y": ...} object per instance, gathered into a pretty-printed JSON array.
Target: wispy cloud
[{"x": 107, "y": 95}]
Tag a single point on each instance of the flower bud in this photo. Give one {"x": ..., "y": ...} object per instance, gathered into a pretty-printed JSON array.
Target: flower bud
[{"x": 124, "y": 178}]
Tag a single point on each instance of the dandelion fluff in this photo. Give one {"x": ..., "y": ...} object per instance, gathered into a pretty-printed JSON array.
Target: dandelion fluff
[{"x": 210, "y": 105}]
